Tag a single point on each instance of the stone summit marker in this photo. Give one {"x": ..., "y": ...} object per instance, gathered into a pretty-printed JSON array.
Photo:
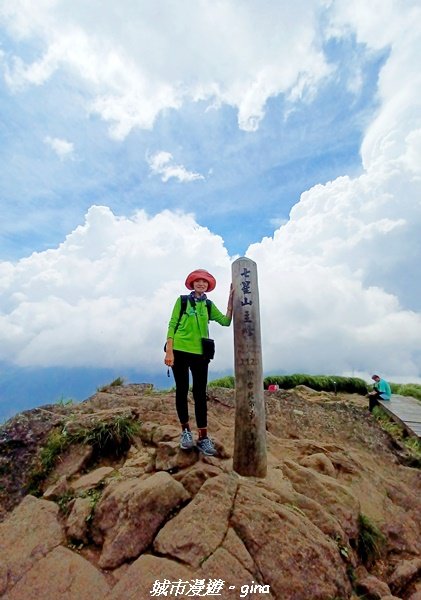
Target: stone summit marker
[{"x": 250, "y": 420}]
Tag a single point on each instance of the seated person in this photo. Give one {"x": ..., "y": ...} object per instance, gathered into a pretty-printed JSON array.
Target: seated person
[{"x": 381, "y": 391}]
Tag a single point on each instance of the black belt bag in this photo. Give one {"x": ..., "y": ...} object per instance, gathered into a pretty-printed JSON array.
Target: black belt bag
[{"x": 208, "y": 348}]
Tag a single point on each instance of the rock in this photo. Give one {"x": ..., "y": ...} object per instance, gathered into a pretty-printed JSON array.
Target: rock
[
  {"x": 335, "y": 497},
  {"x": 91, "y": 480},
  {"x": 76, "y": 524},
  {"x": 223, "y": 565},
  {"x": 130, "y": 513},
  {"x": 405, "y": 572},
  {"x": 139, "y": 461},
  {"x": 169, "y": 457},
  {"x": 415, "y": 594},
  {"x": 73, "y": 460},
  {"x": 319, "y": 462},
  {"x": 203, "y": 523},
  {"x": 232, "y": 563},
  {"x": 371, "y": 587},
  {"x": 235, "y": 546},
  {"x": 29, "y": 533},
  {"x": 193, "y": 479},
  {"x": 61, "y": 575},
  {"x": 290, "y": 553},
  {"x": 56, "y": 489},
  {"x": 144, "y": 573}
]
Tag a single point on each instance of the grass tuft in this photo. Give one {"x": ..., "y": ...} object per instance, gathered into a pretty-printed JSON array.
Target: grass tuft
[
  {"x": 115, "y": 383},
  {"x": 106, "y": 438},
  {"x": 371, "y": 541}
]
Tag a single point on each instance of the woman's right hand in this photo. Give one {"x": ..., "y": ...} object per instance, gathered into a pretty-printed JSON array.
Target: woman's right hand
[{"x": 169, "y": 358}]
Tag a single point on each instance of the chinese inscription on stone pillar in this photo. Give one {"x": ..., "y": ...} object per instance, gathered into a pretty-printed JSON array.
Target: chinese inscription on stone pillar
[{"x": 250, "y": 421}]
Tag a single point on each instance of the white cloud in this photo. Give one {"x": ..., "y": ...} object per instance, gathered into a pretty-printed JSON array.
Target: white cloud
[
  {"x": 162, "y": 164},
  {"x": 104, "y": 296},
  {"x": 62, "y": 148},
  {"x": 135, "y": 65}
]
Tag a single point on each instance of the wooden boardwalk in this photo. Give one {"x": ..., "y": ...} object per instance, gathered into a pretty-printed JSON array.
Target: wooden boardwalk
[{"x": 406, "y": 411}]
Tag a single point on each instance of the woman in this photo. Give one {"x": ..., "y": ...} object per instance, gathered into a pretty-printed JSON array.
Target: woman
[{"x": 184, "y": 351}]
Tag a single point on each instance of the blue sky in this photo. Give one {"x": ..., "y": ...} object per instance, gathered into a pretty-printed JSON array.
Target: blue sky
[
  {"x": 252, "y": 177},
  {"x": 139, "y": 143}
]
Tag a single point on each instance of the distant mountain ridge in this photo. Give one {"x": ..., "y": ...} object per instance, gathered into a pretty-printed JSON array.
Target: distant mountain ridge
[{"x": 23, "y": 388}]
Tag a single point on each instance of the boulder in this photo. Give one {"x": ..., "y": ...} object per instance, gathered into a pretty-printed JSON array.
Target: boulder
[
  {"x": 404, "y": 573},
  {"x": 371, "y": 588},
  {"x": 138, "y": 462},
  {"x": 319, "y": 462},
  {"x": 332, "y": 495},
  {"x": 61, "y": 575},
  {"x": 28, "y": 534},
  {"x": 76, "y": 524},
  {"x": 291, "y": 554},
  {"x": 56, "y": 489},
  {"x": 130, "y": 513},
  {"x": 91, "y": 480},
  {"x": 198, "y": 529},
  {"x": 195, "y": 477},
  {"x": 415, "y": 594},
  {"x": 146, "y": 574},
  {"x": 169, "y": 457},
  {"x": 73, "y": 460}
]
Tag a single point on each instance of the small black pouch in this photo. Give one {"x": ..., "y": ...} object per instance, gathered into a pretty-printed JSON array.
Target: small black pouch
[{"x": 208, "y": 348}]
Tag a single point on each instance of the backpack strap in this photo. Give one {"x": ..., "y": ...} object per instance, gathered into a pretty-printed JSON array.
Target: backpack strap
[
  {"x": 209, "y": 307},
  {"x": 183, "y": 309}
]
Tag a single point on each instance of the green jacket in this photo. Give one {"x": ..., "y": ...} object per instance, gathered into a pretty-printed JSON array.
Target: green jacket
[{"x": 191, "y": 330}]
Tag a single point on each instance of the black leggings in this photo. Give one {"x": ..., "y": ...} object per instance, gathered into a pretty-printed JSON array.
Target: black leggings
[{"x": 183, "y": 361}]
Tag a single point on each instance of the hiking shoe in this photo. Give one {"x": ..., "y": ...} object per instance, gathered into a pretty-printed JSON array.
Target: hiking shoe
[
  {"x": 205, "y": 445},
  {"x": 186, "y": 440}
]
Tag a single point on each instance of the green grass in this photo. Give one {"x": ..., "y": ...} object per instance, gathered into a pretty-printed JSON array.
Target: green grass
[
  {"x": 225, "y": 382},
  {"x": 371, "y": 541},
  {"x": 115, "y": 383},
  {"x": 108, "y": 437},
  {"x": 62, "y": 401},
  {"x": 326, "y": 383},
  {"x": 412, "y": 444},
  {"x": 407, "y": 389}
]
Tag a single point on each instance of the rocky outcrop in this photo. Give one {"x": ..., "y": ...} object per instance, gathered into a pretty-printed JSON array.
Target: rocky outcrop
[
  {"x": 199, "y": 529},
  {"x": 152, "y": 518},
  {"x": 131, "y": 512},
  {"x": 61, "y": 575},
  {"x": 29, "y": 534}
]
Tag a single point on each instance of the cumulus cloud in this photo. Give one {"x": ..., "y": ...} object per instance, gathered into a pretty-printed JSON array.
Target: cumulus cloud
[
  {"x": 136, "y": 65},
  {"x": 104, "y": 296},
  {"x": 62, "y": 148},
  {"x": 162, "y": 163}
]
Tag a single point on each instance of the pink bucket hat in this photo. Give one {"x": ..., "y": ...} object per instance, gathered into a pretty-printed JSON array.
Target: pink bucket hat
[{"x": 200, "y": 274}]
